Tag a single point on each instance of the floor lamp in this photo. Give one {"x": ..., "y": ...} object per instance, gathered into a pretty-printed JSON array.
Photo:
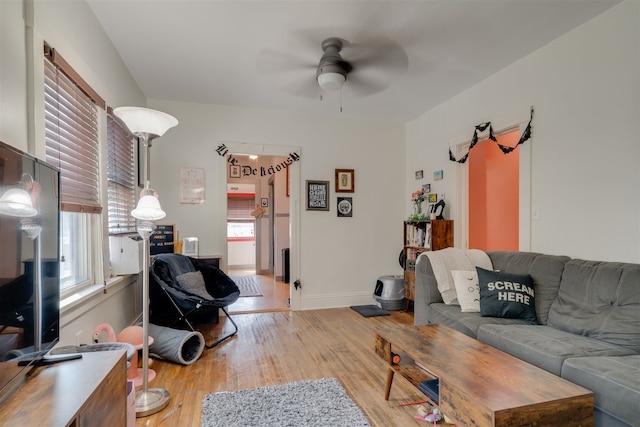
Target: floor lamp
[{"x": 147, "y": 125}]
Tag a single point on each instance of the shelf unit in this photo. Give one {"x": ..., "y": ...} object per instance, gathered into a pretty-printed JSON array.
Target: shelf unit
[{"x": 421, "y": 236}]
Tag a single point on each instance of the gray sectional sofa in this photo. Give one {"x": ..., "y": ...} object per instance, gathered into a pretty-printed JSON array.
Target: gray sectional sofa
[{"x": 587, "y": 330}]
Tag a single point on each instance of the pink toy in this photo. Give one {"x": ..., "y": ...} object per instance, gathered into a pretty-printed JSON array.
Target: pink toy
[{"x": 133, "y": 336}]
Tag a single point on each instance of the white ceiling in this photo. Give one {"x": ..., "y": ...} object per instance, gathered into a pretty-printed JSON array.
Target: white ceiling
[{"x": 262, "y": 54}]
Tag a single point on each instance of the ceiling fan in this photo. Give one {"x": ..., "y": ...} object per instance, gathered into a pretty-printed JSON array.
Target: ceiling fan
[
  {"x": 332, "y": 70},
  {"x": 370, "y": 67}
]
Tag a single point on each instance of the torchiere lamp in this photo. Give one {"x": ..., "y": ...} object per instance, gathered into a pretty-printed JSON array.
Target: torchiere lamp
[{"x": 147, "y": 125}]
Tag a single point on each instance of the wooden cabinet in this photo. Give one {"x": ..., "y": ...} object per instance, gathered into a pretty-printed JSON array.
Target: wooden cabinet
[
  {"x": 420, "y": 236},
  {"x": 87, "y": 392}
]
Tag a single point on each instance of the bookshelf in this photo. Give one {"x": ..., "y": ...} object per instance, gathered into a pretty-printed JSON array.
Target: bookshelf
[{"x": 421, "y": 236}]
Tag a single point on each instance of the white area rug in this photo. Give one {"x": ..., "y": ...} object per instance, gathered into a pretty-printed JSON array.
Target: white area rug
[
  {"x": 248, "y": 286},
  {"x": 313, "y": 403}
]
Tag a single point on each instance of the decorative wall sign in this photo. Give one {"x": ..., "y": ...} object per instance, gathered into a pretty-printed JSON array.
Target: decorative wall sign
[
  {"x": 317, "y": 195},
  {"x": 162, "y": 240},
  {"x": 345, "y": 181},
  {"x": 526, "y": 135},
  {"x": 240, "y": 171},
  {"x": 264, "y": 202},
  {"x": 192, "y": 186},
  {"x": 345, "y": 207}
]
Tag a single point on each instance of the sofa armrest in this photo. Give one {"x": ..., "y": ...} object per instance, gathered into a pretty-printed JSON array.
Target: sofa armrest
[{"x": 426, "y": 290}]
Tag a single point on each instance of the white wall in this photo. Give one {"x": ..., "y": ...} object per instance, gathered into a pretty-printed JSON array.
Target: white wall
[
  {"x": 586, "y": 136},
  {"x": 71, "y": 28},
  {"x": 341, "y": 258}
]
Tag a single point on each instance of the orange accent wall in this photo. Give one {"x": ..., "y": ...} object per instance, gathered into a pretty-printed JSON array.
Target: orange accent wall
[{"x": 494, "y": 195}]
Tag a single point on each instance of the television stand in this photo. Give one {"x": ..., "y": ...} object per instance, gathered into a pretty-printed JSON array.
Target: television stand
[{"x": 86, "y": 392}]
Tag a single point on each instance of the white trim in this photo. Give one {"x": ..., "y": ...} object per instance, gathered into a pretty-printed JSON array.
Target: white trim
[{"x": 238, "y": 148}]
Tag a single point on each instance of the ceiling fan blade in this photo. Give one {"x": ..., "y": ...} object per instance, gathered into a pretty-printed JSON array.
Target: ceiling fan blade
[{"x": 271, "y": 61}]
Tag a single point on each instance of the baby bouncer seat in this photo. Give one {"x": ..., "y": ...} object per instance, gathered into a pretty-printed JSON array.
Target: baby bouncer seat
[{"x": 188, "y": 291}]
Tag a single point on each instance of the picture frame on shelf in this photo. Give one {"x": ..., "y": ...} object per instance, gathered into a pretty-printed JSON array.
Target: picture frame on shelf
[
  {"x": 317, "y": 195},
  {"x": 345, "y": 181},
  {"x": 190, "y": 246}
]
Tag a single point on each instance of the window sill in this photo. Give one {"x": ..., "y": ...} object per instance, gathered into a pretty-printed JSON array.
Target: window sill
[{"x": 81, "y": 297}]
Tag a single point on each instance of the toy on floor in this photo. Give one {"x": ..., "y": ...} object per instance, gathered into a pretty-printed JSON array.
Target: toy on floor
[{"x": 133, "y": 336}]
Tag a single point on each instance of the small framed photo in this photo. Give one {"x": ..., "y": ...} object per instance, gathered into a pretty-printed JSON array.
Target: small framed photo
[
  {"x": 437, "y": 175},
  {"x": 426, "y": 188},
  {"x": 433, "y": 198},
  {"x": 345, "y": 207},
  {"x": 264, "y": 202},
  {"x": 345, "y": 181},
  {"x": 317, "y": 195},
  {"x": 234, "y": 171},
  {"x": 190, "y": 246},
  {"x": 419, "y": 174}
]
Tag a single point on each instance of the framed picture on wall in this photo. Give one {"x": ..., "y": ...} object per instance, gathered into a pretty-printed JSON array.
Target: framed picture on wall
[
  {"x": 317, "y": 195},
  {"x": 345, "y": 181},
  {"x": 234, "y": 171}
]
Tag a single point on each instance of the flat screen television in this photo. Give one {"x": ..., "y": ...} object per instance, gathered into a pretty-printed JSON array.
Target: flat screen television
[{"x": 29, "y": 267}]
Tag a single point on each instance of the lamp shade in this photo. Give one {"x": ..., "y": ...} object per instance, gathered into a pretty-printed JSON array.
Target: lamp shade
[
  {"x": 148, "y": 209},
  {"x": 17, "y": 202},
  {"x": 331, "y": 81},
  {"x": 145, "y": 120}
]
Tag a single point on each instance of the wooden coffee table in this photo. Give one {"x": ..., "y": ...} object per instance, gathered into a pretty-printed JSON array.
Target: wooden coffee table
[{"x": 480, "y": 385}]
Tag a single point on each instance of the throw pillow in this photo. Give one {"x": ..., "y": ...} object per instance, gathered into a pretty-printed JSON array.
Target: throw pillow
[
  {"x": 193, "y": 282},
  {"x": 467, "y": 290},
  {"x": 506, "y": 295}
]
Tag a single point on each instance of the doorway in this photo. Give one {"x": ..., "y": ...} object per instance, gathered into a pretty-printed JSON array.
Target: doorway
[
  {"x": 494, "y": 195},
  {"x": 261, "y": 283},
  {"x": 494, "y": 199}
]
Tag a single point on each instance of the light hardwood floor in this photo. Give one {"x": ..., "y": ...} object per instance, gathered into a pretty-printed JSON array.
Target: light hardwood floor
[
  {"x": 275, "y": 295},
  {"x": 284, "y": 346}
]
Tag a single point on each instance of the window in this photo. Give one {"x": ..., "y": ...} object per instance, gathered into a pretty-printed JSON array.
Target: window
[
  {"x": 72, "y": 145},
  {"x": 240, "y": 223},
  {"x": 120, "y": 177}
]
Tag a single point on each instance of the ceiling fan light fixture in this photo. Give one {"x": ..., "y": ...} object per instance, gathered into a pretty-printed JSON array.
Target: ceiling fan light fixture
[{"x": 331, "y": 81}]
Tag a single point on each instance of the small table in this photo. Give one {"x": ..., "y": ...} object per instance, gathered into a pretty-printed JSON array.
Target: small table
[{"x": 481, "y": 385}]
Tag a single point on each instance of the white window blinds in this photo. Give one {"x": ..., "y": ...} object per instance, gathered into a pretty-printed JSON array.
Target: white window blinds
[
  {"x": 71, "y": 136},
  {"x": 121, "y": 178},
  {"x": 239, "y": 208}
]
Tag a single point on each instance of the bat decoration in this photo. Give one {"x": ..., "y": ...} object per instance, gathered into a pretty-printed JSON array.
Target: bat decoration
[{"x": 526, "y": 135}]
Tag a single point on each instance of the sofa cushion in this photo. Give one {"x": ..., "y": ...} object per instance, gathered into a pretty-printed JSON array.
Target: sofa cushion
[
  {"x": 615, "y": 382},
  {"x": 600, "y": 300},
  {"x": 467, "y": 323},
  {"x": 545, "y": 270},
  {"x": 506, "y": 295},
  {"x": 543, "y": 346},
  {"x": 467, "y": 290}
]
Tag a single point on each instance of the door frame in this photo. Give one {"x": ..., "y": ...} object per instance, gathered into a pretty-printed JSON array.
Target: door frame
[
  {"x": 524, "y": 204},
  {"x": 238, "y": 148}
]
